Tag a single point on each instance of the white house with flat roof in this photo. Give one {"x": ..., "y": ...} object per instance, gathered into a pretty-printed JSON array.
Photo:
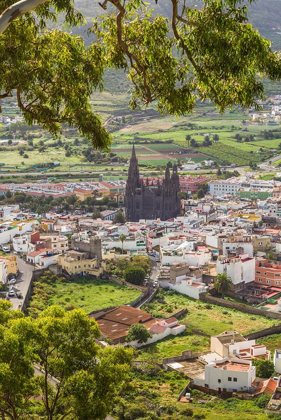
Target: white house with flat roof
[{"x": 227, "y": 375}]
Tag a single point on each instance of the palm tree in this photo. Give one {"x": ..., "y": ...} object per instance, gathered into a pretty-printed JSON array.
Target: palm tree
[
  {"x": 188, "y": 138},
  {"x": 223, "y": 284},
  {"x": 122, "y": 238}
]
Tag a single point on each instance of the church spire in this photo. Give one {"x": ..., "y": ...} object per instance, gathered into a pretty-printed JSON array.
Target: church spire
[
  {"x": 133, "y": 157},
  {"x": 167, "y": 172}
]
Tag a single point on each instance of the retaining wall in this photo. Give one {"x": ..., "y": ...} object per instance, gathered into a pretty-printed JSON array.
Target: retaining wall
[
  {"x": 187, "y": 354},
  {"x": 239, "y": 306}
]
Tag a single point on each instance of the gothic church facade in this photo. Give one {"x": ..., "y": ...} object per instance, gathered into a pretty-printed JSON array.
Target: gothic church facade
[{"x": 144, "y": 200}]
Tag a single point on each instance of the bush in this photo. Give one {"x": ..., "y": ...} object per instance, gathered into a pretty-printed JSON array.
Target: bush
[
  {"x": 262, "y": 401},
  {"x": 134, "y": 275}
]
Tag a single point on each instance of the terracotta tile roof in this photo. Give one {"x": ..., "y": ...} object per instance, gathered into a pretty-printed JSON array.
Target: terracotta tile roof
[
  {"x": 157, "y": 329},
  {"x": 266, "y": 387},
  {"x": 171, "y": 320}
]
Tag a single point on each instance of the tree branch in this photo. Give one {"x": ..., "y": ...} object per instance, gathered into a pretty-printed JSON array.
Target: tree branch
[{"x": 17, "y": 9}]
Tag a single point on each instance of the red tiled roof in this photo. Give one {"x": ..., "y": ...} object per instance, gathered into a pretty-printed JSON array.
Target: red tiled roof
[
  {"x": 171, "y": 320},
  {"x": 157, "y": 329}
]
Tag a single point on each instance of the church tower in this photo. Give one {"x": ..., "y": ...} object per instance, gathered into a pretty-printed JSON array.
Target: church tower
[{"x": 143, "y": 200}]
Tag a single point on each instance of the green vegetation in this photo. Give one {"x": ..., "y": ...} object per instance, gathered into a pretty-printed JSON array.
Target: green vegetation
[
  {"x": 81, "y": 292},
  {"x": 223, "y": 284},
  {"x": 49, "y": 369},
  {"x": 271, "y": 342},
  {"x": 202, "y": 318},
  {"x": 264, "y": 368},
  {"x": 134, "y": 275},
  {"x": 139, "y": 333},
  {"x": 154, "y": 396}
]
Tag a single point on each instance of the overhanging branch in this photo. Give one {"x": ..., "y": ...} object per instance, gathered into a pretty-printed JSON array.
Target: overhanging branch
[{"x": 17, "y": 9}]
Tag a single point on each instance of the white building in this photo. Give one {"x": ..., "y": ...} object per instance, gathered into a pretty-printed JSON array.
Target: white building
[
  {"x": 224, "y": 187},
  {"x": 160, "y": 330},
  {"x": 189, "y": 286},
  {"x": 170, "y": 255},
  {"x": 246, "y": 247},
  {"x": 240, "y": 268},
  {"x": 277, "y": 361},
  {"x": 227, "y": 375},
  {"x": 3, "y": 271},
  {"x": 21, "y": 243},
  {"x": 10, "y": 229}
]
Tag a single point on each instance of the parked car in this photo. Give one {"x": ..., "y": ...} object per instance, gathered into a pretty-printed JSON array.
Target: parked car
[
  {"x": 11, "y": 293},
  {"x": 13, "y": 280},
  {"x": 6, "y": 249}
]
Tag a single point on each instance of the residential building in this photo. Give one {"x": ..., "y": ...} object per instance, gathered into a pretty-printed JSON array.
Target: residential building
[
  {"x": 192, "y": 184},
  {"x": 78, "y": 262},
  {"x": 115, "y": 323},
  {"x": 232, "y": 344},
  {"x": 268, "y": 272},
  {"x": 240, "y": 268},
  {"x": 227, "y": 376}
]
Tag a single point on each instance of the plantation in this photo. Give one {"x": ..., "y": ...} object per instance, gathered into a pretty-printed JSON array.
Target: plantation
[{"x": 81, "y": 292}]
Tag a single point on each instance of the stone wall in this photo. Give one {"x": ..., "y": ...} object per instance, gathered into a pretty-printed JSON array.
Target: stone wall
[
  {"x": 239, "y": 306},
  {"x": 276, "y": 329},
  {"x": 186, "y": 355}
]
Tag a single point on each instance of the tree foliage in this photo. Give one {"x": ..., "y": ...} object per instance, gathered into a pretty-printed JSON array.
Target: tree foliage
[
  {"x": 134, "y": 275},
  {"x": 198, "y": 52},
  {"x": 264, "y": 368},
  {"x": 52, "y": 73},
  {"x": 223, "y": 284},
  {"x": 138, "y": 332},
  {"x": 74, "y": 377}
]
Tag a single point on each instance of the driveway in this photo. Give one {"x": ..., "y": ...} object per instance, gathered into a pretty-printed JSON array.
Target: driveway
[{"x": 23, "y": 282}]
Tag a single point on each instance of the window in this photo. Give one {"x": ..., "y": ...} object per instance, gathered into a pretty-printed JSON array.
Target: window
[
  {"x": 260, "y": 280},
  {"x": 206, "y": 386},
  {"x": 219, "y": 381},
  {"x": 258, "y": 272},
  {"x": 229, "y": 379},
  {"x": 234, "y": 379},
  {"x": 276, "y": 275},
  {"x": 277, "y": 282},
  {"x": 265, "y": 274},
  {"x": 268, "y": 281}
]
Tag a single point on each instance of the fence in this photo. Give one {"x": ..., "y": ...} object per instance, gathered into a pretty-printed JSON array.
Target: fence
[{"x": 238, "y": 306}]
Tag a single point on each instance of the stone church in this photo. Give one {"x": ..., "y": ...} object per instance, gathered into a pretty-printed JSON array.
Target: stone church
[{"x": 144, "y": 200}]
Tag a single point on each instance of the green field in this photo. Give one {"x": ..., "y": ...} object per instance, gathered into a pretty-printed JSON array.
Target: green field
[
  {"x": 81, "y": 292},
  {"x": 202, "y": 318}
]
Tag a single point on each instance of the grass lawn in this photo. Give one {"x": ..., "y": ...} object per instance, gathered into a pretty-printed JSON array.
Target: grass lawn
[
  {"x": 201, "y": 317},
  {"x": 271, "y": 342},
  {"x": 82, "y": 292},
  {"x": 91, "y": 295}
]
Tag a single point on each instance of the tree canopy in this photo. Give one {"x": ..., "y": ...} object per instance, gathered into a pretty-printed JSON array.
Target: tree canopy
[
  {"x": 138, "y": 332},
  {"x": 196, "y": 52},
  {"x": 55, "y": 356},
  {"x": 134, "y": 274},
  {"x": 223, "y": 284}
]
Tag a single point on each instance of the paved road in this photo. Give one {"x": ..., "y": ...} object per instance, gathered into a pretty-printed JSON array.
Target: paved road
[{"x": 23, "y": 282}]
